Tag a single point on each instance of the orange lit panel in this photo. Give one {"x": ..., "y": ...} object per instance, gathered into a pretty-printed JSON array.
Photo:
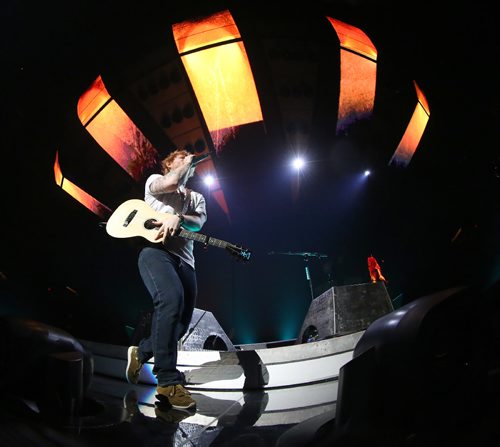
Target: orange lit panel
[
  {"x": 221, "y": 78},
  {"x": 115, "y": 132},
  {"x": 421, "y": 98},
  {"x": 358, "y": 77},
  {"x": 92, "y": 101},
  {"x": 354, "y": 39},
  {"x": 79, "y": 194},
  {"x": 217, "y": 28},
  {"x": 224, "y": 86},
  {"x": 123, "y": 141},
  {"x": 413, "y": 134},
  {"x": 57, "y": 171}
]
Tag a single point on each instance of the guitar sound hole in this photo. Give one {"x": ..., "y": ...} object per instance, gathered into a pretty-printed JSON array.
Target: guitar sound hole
[{"x": 149, "y": 224}]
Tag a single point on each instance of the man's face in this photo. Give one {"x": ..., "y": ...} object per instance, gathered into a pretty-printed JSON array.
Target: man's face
[{"x": 177, "y": 161}]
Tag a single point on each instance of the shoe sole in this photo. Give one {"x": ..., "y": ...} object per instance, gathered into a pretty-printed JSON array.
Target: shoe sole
[
  {"x": 129, "y": 361},
  {"x": 164, "y": 400},
  {"x": 191, "y": 406}
]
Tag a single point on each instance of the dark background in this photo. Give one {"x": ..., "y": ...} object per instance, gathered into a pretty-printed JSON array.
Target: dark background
[{"x": 59, "y": 266}]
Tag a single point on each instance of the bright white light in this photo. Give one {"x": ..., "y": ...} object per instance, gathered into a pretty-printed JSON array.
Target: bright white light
[
  {"x": 367, "y": 173},
  {"x": 298, "y": 163},
  {"x": 209, "y": 180}
]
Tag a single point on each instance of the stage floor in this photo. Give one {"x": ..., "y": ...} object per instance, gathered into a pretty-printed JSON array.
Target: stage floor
[{"x": 117, "y": 413}]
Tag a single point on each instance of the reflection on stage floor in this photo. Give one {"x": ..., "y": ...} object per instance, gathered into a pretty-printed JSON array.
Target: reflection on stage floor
[{"x": 116, "y": 412}]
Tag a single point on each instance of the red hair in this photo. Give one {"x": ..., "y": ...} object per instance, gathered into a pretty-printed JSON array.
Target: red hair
[{"x": 170, "y": 158}]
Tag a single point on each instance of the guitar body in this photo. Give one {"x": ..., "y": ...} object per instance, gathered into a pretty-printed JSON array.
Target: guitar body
[
  {"x": 122, "y": 224},
  {"x": 135, "y": 217}
]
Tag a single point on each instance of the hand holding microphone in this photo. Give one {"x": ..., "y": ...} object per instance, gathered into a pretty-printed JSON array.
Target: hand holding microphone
[
  {"x": 197, "y": 159},
  {"x": 190, "y": 163}
]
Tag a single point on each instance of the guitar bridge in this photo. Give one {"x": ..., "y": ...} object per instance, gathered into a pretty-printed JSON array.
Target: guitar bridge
[{"x": 129, "y": 218}]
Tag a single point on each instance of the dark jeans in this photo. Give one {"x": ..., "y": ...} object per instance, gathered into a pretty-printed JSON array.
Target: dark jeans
[{"x": 172, "y": 285}]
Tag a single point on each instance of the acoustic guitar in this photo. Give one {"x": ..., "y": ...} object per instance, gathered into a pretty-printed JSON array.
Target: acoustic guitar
[{"x": 135, "y": 217}]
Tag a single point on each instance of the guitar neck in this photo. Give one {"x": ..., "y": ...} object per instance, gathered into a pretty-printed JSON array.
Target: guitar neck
[{"x": 198, "y": 237}]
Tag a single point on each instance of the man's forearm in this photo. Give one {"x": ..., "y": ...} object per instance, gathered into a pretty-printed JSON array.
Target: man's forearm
[
  {"x": 169, "y": 182},
  {"x": 193, "y": 222}
]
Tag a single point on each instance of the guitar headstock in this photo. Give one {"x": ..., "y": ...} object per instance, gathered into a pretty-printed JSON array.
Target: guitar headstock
[{"x": 240, "y": 253}]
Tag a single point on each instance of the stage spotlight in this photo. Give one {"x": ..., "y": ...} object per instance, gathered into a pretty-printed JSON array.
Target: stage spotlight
[
  {"x": 367, "y": 173},
  {"x": 298, "y": 163},
  {"x": 209, "y": 180}
]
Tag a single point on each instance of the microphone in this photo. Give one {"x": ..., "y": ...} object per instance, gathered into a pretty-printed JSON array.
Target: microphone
[{"x": 199, "y": 158}]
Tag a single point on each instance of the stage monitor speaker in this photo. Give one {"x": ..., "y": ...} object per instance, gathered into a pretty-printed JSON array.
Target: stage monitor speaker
[
  {"x": 343, "y": 310},
  {"x": 204, "y": 332}
]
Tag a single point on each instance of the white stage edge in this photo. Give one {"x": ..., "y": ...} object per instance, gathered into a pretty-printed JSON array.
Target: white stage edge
[{"x": 267, "y": 368}]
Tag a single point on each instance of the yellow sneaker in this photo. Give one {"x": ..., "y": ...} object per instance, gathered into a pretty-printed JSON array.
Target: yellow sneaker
[{"x": 177, "y": 395}]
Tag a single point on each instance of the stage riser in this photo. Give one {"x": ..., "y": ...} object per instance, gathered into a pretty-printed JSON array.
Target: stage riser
[{"x": 286, "y": 366}]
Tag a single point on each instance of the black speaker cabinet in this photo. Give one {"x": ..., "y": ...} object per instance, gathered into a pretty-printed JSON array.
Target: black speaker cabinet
[
  {"x": 343, "y": 310},
  {"x": 205, "y": 332}
]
